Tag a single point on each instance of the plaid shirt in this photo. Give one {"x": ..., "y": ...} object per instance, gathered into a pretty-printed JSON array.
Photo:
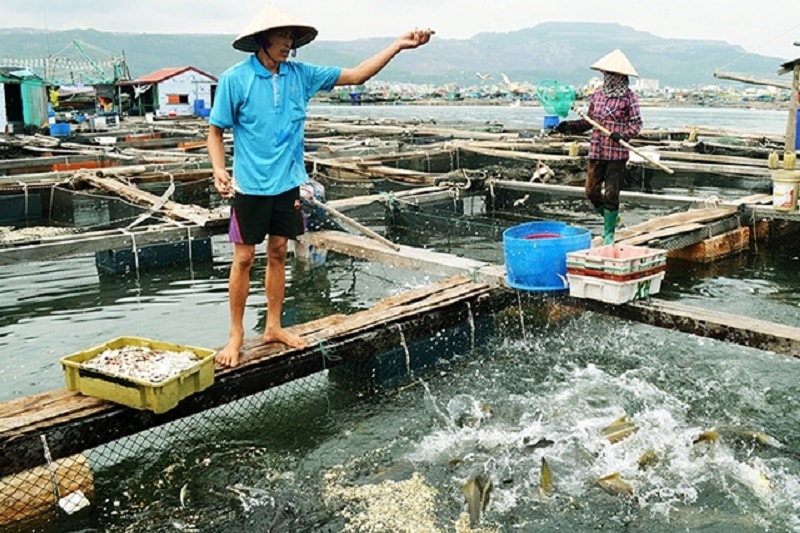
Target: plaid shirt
[{"x": 620, "y": 114}]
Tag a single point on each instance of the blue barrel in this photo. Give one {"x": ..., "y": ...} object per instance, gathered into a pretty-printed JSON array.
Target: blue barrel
[
  {"x": 60, "y": 129},
  {"x": 536, "y": 254},
  {"x": 199, "y": 104},
  {"x": 551, "y": 121}
]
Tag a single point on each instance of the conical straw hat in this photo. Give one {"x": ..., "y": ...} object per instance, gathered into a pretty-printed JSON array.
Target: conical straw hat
[
  {"x": 271, "y": 17},
  {"x": 615, "y": 62}
]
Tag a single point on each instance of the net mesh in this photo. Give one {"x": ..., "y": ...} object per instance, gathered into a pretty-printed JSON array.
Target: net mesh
[{"x": 556, "y": 98}]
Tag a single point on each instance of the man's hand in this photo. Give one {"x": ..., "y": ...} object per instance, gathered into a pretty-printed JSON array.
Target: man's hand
[
  {"x": 223, "y": 183},
  {"x": 414, "y": 39}
]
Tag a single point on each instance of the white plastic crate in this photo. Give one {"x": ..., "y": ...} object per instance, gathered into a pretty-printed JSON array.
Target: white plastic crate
[
  {"x": 617, "y": 260},
  {"x": 614, "y": 292}
]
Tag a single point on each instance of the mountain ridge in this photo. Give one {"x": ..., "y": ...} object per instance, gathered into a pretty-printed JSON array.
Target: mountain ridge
[{"x": 549, "y": 50}]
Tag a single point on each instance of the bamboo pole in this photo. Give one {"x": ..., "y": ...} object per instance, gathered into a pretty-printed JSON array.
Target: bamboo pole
[
  {"x": 626, "y": 144},
  {"x": 355, "y": 224},
  {"x": 791, "y": 123}
]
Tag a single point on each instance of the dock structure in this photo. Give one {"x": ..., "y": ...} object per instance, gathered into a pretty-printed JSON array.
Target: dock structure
[
  {"x": 420, "y": 315},
  {"x": 379, "y": 347}
]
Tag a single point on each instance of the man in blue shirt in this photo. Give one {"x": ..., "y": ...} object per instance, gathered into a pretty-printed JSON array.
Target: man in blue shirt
[{"x": 263, "y": 100}]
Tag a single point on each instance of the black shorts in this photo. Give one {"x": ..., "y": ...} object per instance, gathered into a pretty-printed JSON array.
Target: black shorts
[{"x": 255, "y": 217}]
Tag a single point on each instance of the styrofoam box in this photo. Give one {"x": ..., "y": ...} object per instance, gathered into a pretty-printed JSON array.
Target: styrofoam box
[
  {"x": 614, "y": 292},
  {"x": 617, "y": 259}
]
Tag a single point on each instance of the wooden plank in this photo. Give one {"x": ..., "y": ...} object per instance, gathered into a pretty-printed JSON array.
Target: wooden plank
[
  {"x": 427, "y": 312},
  {"x": 517, "y": 155},
  {"x": 746, "y": 331},
  {"x": 579, "y": 192},
  {"x": 193, "y": 213},
  {"x": 710, "y": 168},
  {"x": 406, "y": 257},
  {"x": 90, "y": 242}
]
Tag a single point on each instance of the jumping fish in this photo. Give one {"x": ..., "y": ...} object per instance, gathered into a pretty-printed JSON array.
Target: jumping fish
[
  {"x": 182, "y": 494},
  {"x": 750, "y": 437},
  {"x": 647, "y": 459},
  {"x": 619, "y": 429},
  {"x": 709, "y": 436},
  {"x": 541, "y": 443},
  {"x": 477, "y": 490},
  {"x": 615, "y": 485},
  {"x": 545, "y": 481}
]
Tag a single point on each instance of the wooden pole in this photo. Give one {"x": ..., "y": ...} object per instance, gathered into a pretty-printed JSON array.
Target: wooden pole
[
  {"x": 350, "y": 222},
  {"x": 32, "y": 493},
  {"x": 626, "y": 144},
  {"x": 791, "y": 123}
]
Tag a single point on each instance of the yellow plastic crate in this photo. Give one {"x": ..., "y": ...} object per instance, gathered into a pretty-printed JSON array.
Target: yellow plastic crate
[{"x": 157, "y": 397}]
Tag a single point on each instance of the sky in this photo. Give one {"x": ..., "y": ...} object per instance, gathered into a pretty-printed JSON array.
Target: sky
[{"x": 768, "y": 31}]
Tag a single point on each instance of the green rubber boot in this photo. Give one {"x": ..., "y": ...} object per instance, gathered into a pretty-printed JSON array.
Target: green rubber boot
[
  {"x": 609, "y": 225},
  {"x": 600, "y": 210}
]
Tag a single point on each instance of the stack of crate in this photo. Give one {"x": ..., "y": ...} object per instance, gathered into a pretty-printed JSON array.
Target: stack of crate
[{"x": 616, "y": 273}]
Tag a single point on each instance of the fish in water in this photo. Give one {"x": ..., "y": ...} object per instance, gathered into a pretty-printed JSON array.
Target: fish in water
[
  {"x": 619, "y": 429},
  {"x": 709, "y": 436},
  {"x": 541, "y": 443},
  {"x": 615, "y": 485},
  {"x": 477, "y": 490},
  {"x": 750, "y": 437},
  {"x": 647, "y": 459},
  {"x": 545, "y": 481}
]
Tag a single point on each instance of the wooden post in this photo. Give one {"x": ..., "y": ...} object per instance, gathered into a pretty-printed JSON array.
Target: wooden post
[
  {"x": 32, "y": 493},
  {"x": 791, "y": 124}
]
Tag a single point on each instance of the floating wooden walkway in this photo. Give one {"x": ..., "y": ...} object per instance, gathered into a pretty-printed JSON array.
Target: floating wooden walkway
[
  {"x": 765, "y": 335},
  {"x": 62, "y": 416}
]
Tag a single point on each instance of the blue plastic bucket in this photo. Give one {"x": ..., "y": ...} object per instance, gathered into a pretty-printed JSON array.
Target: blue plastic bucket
[
  {"x": 551, "y": 121},
  {"x": 536, "y": 254}
]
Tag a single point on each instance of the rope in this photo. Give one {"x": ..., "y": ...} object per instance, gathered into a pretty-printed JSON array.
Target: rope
[
  {"x": 135, "y": 249},
  {"x": 405, "y": 348},
  {"x": 521, "y": 315},
  {"x": 471, "y": 318},
  {"x": 51, "y": 467},
  {"x": 25, "y": 192},
  {"x": 473, "y": 273},
  {"x": 189, "y": 243},
  {"x": 325, "y": 354},
  {"x": 331, "y": 357}
]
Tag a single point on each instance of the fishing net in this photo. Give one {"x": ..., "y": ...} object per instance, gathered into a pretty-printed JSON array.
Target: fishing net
[{"x": 556, "y": 98}]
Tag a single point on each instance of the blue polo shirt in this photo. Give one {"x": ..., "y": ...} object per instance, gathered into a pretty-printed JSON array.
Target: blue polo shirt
[{"x": 267, "y": 114}]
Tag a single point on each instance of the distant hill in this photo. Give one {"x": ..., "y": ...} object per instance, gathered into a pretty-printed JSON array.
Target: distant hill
[{"x": 551, "y": 50}]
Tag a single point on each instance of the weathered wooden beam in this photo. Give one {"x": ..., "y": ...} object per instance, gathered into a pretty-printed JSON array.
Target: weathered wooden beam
[
  {"x": 95, "y": 241},
  {"x": 578, "y": 191},
  {"x": 192, "y": 213},
  {"x": 751, "y": 79},
  {"x": 714, "y": 248},
  {"x": 408, "y": 257},
  {"x": 747, "y": 331}
]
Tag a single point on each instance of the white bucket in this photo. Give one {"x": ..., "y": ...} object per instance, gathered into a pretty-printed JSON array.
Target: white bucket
[{"x": 785, "y": 185}]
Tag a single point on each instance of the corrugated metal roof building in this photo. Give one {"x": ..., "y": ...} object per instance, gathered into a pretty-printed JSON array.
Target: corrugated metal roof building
[
  {"x": 174, "y": 91},
  {"x": 23, "y": 100}
]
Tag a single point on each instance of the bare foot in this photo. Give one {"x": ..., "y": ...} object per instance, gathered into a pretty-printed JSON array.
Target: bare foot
[
  {"x": 286, "y": 337},
  {"x": 229, "y": 355}
]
